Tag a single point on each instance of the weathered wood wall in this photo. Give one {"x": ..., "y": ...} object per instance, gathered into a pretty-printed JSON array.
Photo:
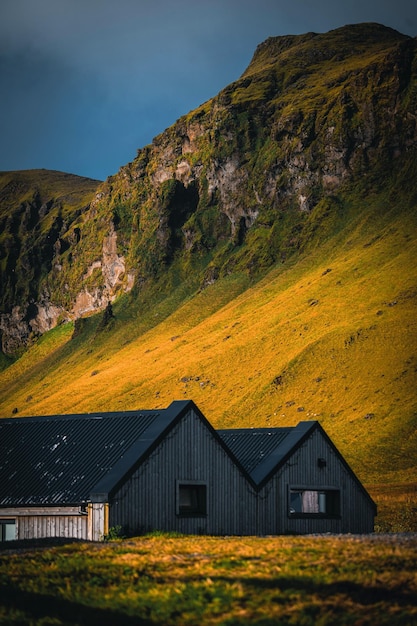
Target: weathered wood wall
[
  {"x": 40, "y": 522},
  {"x": 98, "y": 521}
]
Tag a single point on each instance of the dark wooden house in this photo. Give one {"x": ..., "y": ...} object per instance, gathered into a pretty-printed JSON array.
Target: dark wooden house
[
  {"x": 80, "y": 475},
  {"x": 301, "y": 481}
]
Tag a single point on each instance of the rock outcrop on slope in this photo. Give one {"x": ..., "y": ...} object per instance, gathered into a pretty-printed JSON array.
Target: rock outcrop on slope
[{"x": 40, "y": 216}]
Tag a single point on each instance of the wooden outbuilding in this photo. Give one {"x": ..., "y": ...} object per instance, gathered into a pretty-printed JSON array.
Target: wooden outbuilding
[{"x": 80, "y": 476}]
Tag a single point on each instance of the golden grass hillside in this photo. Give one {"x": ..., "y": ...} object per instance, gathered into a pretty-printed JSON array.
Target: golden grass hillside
[{"x": 332, "y": 336}]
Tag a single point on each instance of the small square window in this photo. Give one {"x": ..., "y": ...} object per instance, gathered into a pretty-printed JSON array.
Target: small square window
[
  {"x": 192, "y": 499},
  {"x": 7, "y": 529}
]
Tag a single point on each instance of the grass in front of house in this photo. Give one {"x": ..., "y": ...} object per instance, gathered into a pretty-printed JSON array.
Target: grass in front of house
[{"x": 206, "y": 580}]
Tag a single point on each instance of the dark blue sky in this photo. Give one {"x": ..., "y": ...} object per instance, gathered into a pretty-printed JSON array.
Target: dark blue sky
[{"x": 85, "y": 83}]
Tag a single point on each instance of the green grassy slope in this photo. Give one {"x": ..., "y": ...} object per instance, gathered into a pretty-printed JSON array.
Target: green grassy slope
[
  {"x": 36, "y": 208},
  {"x": 17, "y": 187}
]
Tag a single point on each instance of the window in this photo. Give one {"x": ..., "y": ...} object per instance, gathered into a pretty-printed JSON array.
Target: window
[
  {"x": 7, "y": 529},
  {"x": 314, "y": 502},
  {"x": 191, "y": 498}
]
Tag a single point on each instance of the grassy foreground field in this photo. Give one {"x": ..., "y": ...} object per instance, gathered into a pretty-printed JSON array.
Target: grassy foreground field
[{"x": 317, "y": 580}]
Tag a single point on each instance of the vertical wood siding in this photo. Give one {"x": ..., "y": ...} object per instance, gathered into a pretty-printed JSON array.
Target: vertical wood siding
[
  {"x": 189, "y": 453},
  {"x": 98, "y": 521},
  {"x": 39, "y": 526},
  {"x": 302, "y": 470},
  {"x": 50, "y": 522}
]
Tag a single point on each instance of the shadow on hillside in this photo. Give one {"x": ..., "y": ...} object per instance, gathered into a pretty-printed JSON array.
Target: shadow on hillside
[{"x": 39, "y": 606}]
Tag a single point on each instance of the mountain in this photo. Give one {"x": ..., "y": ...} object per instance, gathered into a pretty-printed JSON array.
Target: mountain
[
  {"x": 259, "y": 256},
  {"x": 39, "y": 213}
]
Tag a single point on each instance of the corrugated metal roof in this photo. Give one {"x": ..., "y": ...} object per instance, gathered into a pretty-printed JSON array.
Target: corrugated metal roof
[
  {"x": 68, "y": 459},
  {"x": 59, "y": 459},
  {"x": 251, "y": 446},
  {"x": 261, "y": 451}
]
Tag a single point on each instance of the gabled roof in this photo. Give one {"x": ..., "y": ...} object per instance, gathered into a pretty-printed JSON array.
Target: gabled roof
[
  {"x": 60, "y": 459},
  {"x": 262, "y": 451},
  {"x": 72, "y": 459}
]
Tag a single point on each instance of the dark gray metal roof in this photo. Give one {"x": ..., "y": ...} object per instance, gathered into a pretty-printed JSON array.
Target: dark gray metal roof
[
  {"x": 71, "y": 459},
  {"x": 251, "y": 446},
  {"x": 261, "y": 451},
  {"x": 59, "y": 459}
]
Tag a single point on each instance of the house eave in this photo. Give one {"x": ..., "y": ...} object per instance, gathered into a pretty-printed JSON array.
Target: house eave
[
  {"x": 99, "y": 498},
  {"x": 44, "y": 509},
  {"x": 263, "y": 472},
  {"x": 139, "y": 451}
]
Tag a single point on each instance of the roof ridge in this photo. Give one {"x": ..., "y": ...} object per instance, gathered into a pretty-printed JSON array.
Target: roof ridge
[
  {"x": 254, "y": 429},
  {"x": 81, "y": 416},
  {"x": 253, "y": 446},
  {"x": 268, "y": 466}
]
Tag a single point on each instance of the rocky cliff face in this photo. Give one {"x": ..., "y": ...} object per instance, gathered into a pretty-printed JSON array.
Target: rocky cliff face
[
  {"x": 236, "y": 185},
  {"x": 38, "y": 213},
  {"x": 311, "y": 115}
]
